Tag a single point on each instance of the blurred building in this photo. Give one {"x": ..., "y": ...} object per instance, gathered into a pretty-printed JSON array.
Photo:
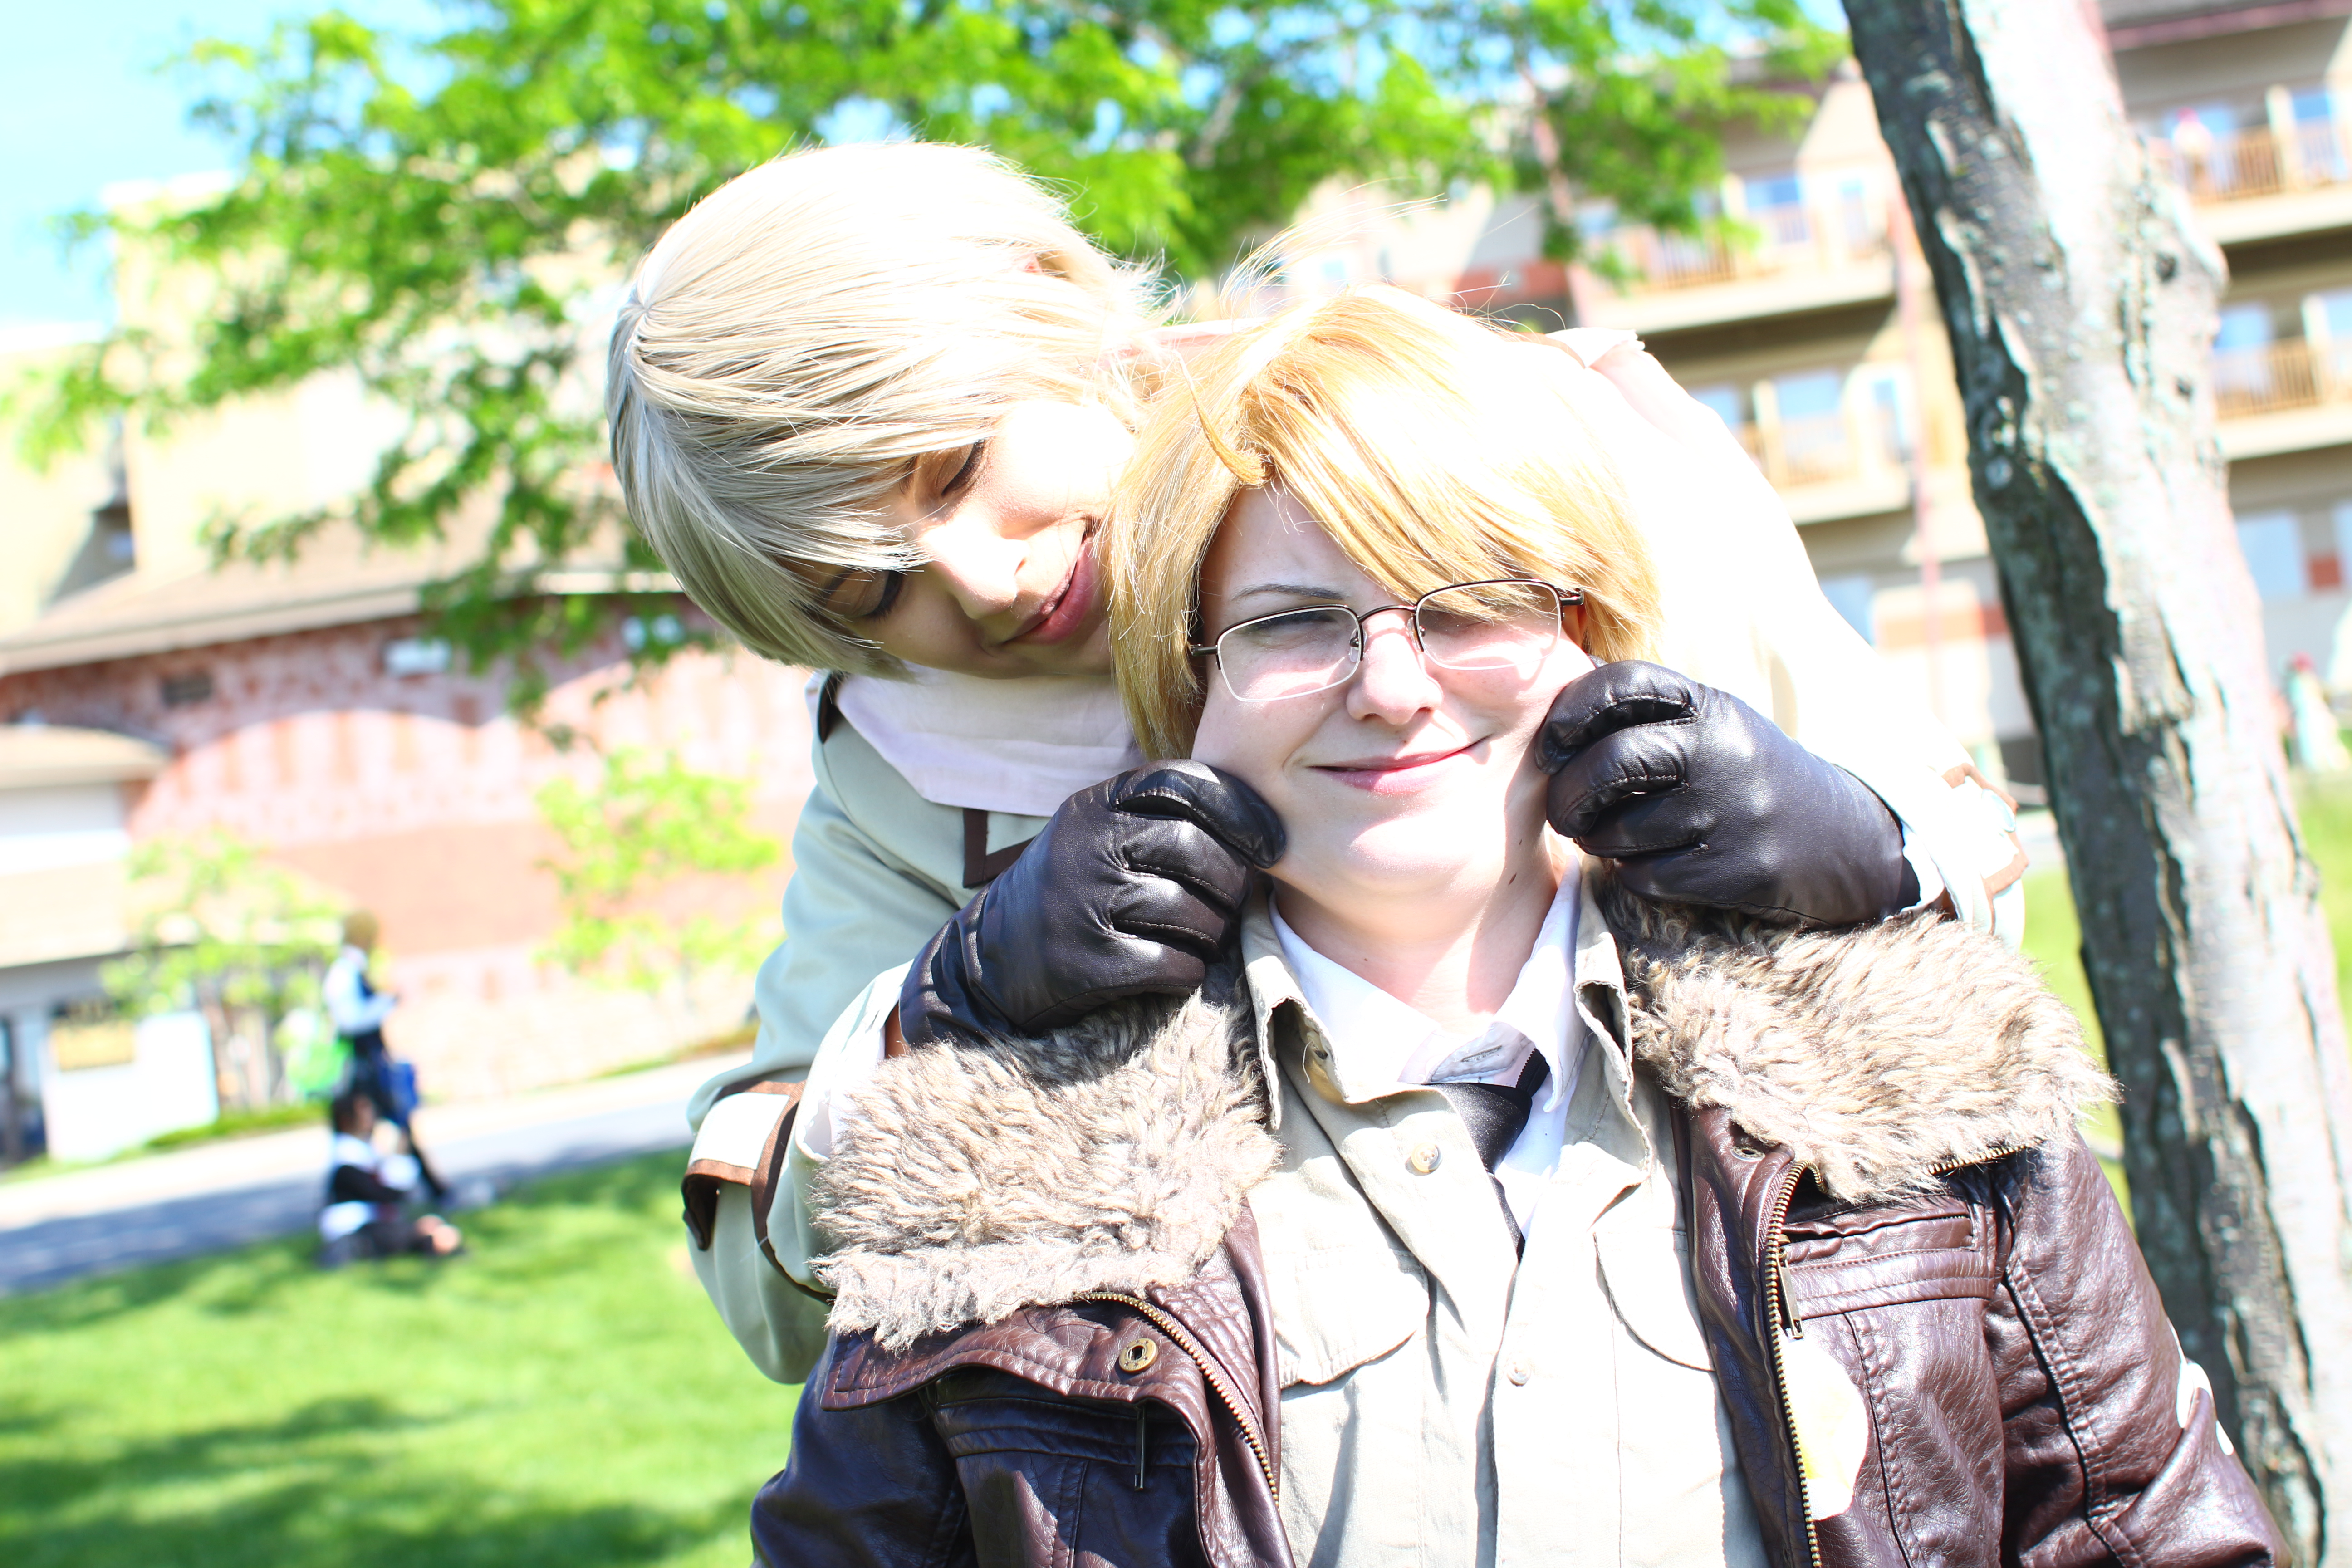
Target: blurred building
[
  {"x": 1802, "y": 342},
  {"x": 145, "y": 695}
]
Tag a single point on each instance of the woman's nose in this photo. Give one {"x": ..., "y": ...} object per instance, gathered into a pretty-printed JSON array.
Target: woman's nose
[
  {"x": 980, "y": 568},
  {"x": 1392, "y": 682}
]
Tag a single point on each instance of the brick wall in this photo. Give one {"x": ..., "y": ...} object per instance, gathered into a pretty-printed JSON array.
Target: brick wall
[{"x": 412, "y": 796}]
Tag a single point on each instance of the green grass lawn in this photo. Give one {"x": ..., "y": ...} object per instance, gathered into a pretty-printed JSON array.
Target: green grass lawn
[{"x": 563, "y": 1395}]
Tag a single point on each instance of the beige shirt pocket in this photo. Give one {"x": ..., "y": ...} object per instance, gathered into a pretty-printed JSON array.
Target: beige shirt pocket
[
  {"x": 1647, "y": 1273},
  {"x": 1335, "y": 1311},
  {"x": 1688, "y": 1490},
  {"x": 1357, "y": 1402}
]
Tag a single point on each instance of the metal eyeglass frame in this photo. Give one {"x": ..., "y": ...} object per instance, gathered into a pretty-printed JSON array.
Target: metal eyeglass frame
[{"x": 1564, "y": 597}]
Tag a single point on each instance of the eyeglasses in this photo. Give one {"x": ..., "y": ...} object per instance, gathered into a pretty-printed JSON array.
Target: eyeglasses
[{"x": 1511, "y": 624}]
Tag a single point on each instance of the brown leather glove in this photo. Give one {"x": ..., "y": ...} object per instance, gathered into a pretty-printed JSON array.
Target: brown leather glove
[
  {"x": 1702, "y": 800},
  {"x": 1130, "y": 892}
]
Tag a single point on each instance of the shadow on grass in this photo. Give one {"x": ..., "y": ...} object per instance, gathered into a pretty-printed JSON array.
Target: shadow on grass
[
  {"x": 311, "y": 1489},
  {"x": 307, "y": 1492}
]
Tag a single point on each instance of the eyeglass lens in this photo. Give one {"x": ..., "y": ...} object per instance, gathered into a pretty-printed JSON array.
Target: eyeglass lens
[{"x": 1503, "y": 627}]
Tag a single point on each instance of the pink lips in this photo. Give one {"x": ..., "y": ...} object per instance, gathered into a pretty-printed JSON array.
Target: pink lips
[
  {"x": 1069, "y": 610},
  {"x": 1396, "y": 775}
]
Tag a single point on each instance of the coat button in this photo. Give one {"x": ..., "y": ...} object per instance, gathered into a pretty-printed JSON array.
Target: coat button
[
  {"x": 1424, "y": 1159},
  {"x": 1520, "y": 1370},
  {"x": 1139, "y": 1356}
]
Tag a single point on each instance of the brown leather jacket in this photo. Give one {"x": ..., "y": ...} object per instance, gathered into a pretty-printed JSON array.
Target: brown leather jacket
[{"x": 2023, "y": 1391}]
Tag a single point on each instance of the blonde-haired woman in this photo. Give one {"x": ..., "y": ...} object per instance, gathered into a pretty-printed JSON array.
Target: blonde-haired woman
[
  {"x": 1472, "y": 1211},
  {"x": 869, "y": 403}
]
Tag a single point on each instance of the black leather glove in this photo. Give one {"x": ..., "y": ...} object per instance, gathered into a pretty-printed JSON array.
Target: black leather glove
[
  {"x": 1130, "y": 892},
  {"x": 1702, "y": 800}
]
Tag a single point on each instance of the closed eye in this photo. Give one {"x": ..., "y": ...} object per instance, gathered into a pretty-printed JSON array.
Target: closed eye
[
  {"x": 965, "y": 471},
  {"x": 859, "y": 594}
]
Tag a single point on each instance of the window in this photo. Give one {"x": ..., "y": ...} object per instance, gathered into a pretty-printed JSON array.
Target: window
[
  {"x": 2318, "y": 149},
  {"x": 2243, "y": 370},
  {"x": 1729, "y": 403},
  {"x": 1851, "y": 596},
  {"x": 2243, "y": 327},
  {"x": 2273, "y": 544},
  {"x": 2328, "y": 316},
  {"x": 1812, "y": 394},
  {"x": 1811, "y": 433},
  {"x": 416, "y": 656},
  {"x": 1777, "y": 205},
  {"x": 187, "y": 690},
  {"x": 1861, "y": 224},
  {"x": 1889, "y": 410}
]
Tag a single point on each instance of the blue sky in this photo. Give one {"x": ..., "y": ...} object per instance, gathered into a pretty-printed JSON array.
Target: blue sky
[{"x": 83, "y": 104}]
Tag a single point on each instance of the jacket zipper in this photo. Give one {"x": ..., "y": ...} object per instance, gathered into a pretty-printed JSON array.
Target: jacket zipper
[
  {"x": 1948, "y": 1166},
  {"x": 1784, "y": 1316},
  {"x": 1209, "y": 1370}
]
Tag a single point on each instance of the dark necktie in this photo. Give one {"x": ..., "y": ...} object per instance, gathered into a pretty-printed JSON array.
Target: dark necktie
[{"x": 1494, "y": 1114}]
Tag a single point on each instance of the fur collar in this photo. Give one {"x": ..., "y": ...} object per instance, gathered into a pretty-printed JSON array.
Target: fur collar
[
  {"x": 1877, "y": 1055},
  {"x": 1115, "y": 1154}
]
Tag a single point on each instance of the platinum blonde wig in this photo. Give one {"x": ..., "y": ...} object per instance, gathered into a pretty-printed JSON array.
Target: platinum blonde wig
[
  {"x": 1434, "y": 449},
  {"x": 810, "y": 328}
]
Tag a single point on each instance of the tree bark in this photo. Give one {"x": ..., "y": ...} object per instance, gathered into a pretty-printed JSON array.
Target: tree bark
[{"x": 2081, "y": 304}]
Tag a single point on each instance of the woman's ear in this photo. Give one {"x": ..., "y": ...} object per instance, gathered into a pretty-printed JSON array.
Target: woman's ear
[{"x": 1572, "y": 622}]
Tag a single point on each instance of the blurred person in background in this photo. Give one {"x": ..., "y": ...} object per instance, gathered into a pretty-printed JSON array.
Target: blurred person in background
[
  {"x": 368, "y": 1192},
  {"x": 869, "y": 403},
  {"x": 357, "y": 1010}
]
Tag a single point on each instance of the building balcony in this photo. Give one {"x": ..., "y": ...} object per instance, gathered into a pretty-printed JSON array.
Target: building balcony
[
  {"x": 1795, "y": 259},
  {"x": 1830, "y": 466},
  {"x": 2264, "y": 181},
  {"x": 2260, "y": 161},
  {"x": 2289, "y": 396}
]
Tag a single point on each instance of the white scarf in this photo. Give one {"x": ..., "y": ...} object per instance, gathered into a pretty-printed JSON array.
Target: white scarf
[{"x": 1017, "y": 746}]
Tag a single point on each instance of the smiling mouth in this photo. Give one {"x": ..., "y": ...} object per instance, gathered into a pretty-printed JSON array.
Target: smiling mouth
[
  {"x": 1389, "y": 775},
  {"x": 1066, "y": 610}
]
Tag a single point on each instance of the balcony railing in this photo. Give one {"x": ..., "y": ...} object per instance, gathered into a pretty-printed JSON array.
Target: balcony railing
[
  {"x": 1789, "y": 238},
  {"x": 2257, "y": 162},
  {"x": 1821, "y": 448},
  {"x": 2297, "y": 373}
]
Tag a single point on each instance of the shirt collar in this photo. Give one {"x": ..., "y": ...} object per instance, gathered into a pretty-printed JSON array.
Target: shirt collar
[{"x": 1379, "y": 1043}]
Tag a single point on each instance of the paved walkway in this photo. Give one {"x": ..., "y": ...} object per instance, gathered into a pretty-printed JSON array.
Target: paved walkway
[{"x": 219, "y": 1195}]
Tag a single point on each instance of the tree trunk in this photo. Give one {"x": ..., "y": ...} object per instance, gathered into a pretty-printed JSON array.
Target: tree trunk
[{"x": 2081, "y": 305}]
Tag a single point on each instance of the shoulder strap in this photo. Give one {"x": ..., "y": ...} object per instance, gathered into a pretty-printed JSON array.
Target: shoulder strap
[
  {"x": 828, "y": 707},
  {"x": 982, "y": 865}
]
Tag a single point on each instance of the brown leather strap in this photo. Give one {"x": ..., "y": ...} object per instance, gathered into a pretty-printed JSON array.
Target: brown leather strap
[
  {"x": 982, "y": 865},
  {"x": 704, "y": 1178},
  {"x": 765, "y": 1179}
]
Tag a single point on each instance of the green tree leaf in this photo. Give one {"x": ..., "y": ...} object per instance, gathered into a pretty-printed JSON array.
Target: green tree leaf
[{"x": 646, "y": 823}]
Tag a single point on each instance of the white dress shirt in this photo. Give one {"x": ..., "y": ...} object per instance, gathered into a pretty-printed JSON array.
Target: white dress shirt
[
  {"x": 1379, "y": 1041},
  {"x": 349, "y": 1006}
]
